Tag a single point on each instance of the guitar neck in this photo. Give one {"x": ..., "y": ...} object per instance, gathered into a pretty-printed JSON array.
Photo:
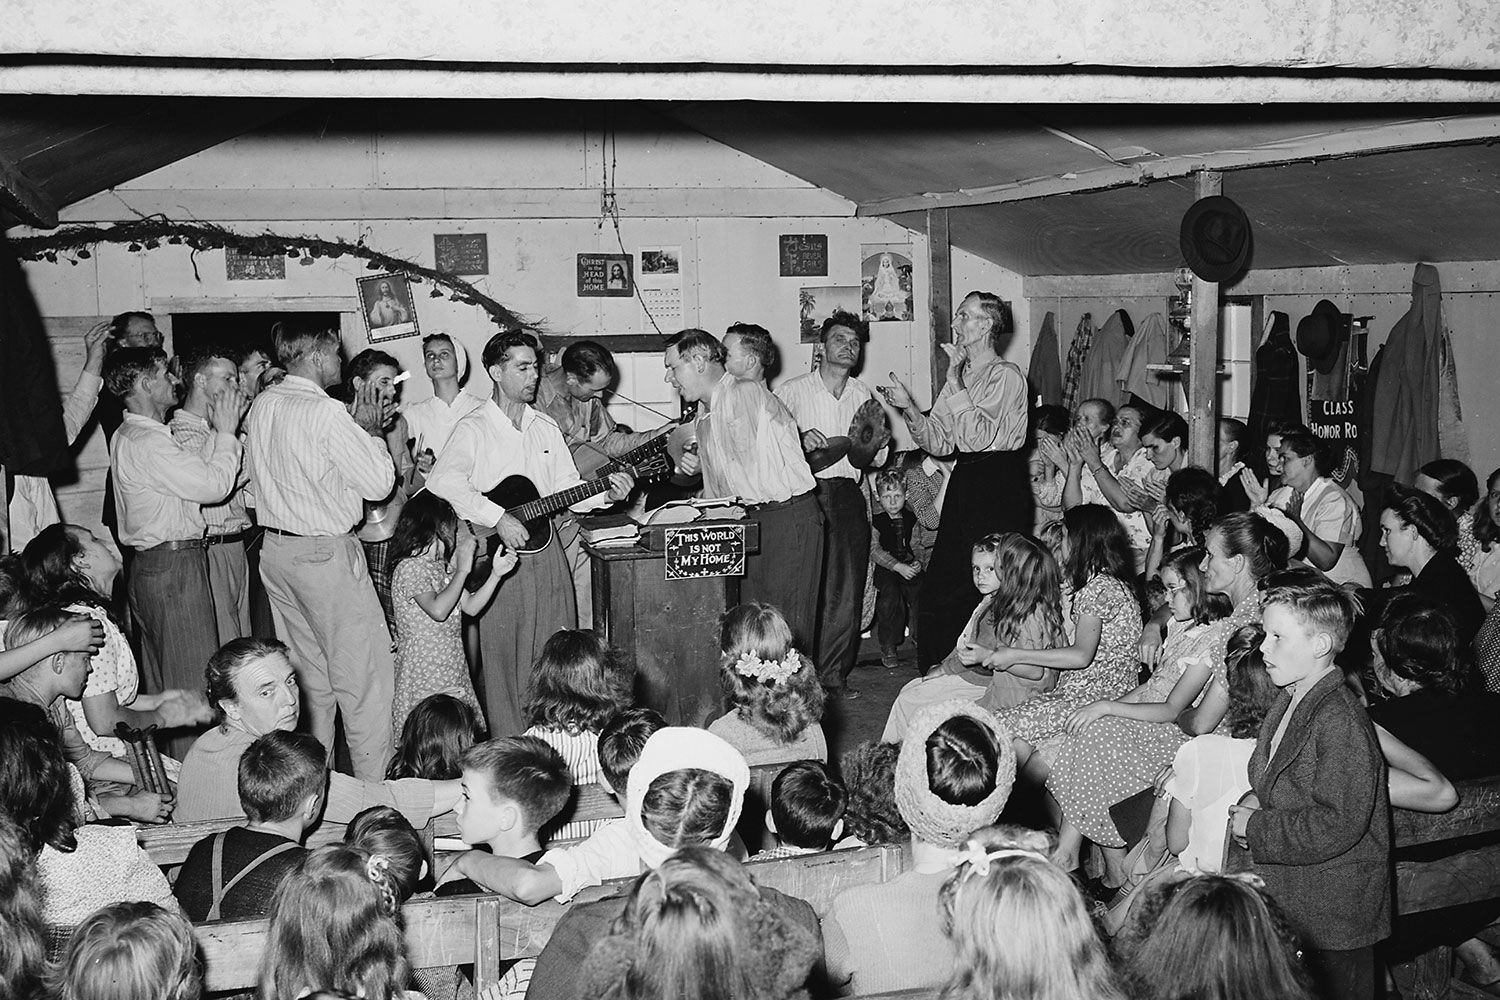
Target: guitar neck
[{"x": 548, "y": 505}]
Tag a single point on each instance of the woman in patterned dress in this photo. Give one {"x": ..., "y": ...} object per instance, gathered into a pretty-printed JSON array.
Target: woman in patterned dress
[
  {"x": 433, "y": 556},
  {"x": 1106, "y": 621},
  {"x": 1116, "y": 748}
]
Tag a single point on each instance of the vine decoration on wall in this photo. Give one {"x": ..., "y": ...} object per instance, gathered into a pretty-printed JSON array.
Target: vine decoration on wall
[{"x": 76, "y": 243}]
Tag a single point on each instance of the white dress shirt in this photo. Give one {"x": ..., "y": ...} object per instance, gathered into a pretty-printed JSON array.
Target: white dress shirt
[
  {"x": 33, "y": 506},
  {"x": 430, "y": 421},
  {"x": 311, "y": 466},
  {"x": 160, "y": 486},
  {"x": 486, "y": 447},
  {"x": 816, "y": 408}
]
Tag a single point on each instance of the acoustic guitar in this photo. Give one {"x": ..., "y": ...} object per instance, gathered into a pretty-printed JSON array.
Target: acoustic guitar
[{"x": 521, "y": 500}]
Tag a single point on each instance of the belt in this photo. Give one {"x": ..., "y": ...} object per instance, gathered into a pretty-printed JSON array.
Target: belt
[
  {"x": 778, "y": 504},
  {"x": 230, "y": 538},
  {"x": 294, "y": 534},
  {"x": 178, "y": 546}
]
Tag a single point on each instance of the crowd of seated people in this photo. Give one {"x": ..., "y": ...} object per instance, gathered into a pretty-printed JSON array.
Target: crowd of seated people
[{"x": 1192, "y": 676}]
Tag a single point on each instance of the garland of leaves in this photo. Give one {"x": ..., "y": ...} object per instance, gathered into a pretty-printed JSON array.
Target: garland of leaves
[{"x": 75, "y": 243}]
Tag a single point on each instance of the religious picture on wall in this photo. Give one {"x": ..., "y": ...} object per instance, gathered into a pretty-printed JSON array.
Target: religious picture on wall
[
  {"x": 388, "y": 307},
  {"x": 605, "y": 275},
  {"x": 820, "y": 302},
  {"x": 886, "y": 284}
]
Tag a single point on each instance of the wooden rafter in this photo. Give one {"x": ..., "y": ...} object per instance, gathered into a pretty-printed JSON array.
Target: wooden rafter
[
  {"x": 1332, "y": 145},
  {"x": 21, "y": 195}
]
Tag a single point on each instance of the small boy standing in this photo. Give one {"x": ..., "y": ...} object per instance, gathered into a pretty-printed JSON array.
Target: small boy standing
[
  {"x": 896, "y": 565},
  {"x": 512, "y": 787},
  {"x": 807, "y": 811},
  {"x": 1318, "y": 827}
]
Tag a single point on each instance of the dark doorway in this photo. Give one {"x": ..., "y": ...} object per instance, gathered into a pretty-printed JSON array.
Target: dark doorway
[{"x": 237, "y": 331}]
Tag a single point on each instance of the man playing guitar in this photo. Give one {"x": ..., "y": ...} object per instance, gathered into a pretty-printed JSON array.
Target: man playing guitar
[
  {"x": 572, "y": 395},
  {"x": 507, "y": 436}
]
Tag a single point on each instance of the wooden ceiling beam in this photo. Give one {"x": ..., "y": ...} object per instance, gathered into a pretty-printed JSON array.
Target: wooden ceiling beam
[
  {"x": 24, "y": 198},
  {"x": 1332, "y": 145}
]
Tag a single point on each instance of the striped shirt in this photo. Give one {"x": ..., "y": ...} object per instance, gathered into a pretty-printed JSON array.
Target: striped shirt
[
  {"x": 580, "y": 751},
  {"x": 311, "y": 466},
  {"x": 160, "y": 486},
  {"x": 815, "y": 407},
  {"x": 226, "y": 518}
]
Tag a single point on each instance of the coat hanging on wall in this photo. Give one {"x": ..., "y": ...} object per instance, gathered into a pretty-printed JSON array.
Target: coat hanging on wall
[
  {"x": 1078, "y": 352},
  {"x": 1103, "y": 363},
  {"x": 1275, "y": 395},
  {"x": 1147, "y": 347},
  {"x": 1405, "y": 431},
  {"x": 1045, "y": 372}
]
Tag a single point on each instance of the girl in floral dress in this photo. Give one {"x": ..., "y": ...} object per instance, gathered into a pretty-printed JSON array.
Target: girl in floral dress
[
  {"x": 1098, "y": 570},
  {"x": 1116, "y": 748},
  {"x": 433, "y": 555}
]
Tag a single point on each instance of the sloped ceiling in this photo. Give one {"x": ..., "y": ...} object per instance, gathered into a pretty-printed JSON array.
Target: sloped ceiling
[{"x": 1427, "y": 204}]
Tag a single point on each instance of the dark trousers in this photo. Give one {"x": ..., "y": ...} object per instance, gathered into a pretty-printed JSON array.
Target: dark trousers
[
  {"x": 789, "y": 566},
  {"x": 846, "y": 560},
  {"x": 1343, "y": 975},
  {"x": 262, "y": 623},
  {"x": 989, "y": 492},
  {"x": 173, "y": 610},
  {"x": 895, "y": 602}
]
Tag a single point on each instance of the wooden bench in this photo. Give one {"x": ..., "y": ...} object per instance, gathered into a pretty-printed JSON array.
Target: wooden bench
[
  {"x": 486, "y": 930},
  {"x": 1445, "y": 862},
  {"x": 168, "y": 845}
]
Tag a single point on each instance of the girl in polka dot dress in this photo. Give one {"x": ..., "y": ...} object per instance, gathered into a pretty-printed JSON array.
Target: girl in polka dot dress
[{"x": 1104, "y": 625}]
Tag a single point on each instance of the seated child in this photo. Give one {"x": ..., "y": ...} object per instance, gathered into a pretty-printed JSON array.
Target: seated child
[
  {"x": 1318, "y": 827},
  {"x": 871, "y": 816},
  {"x": 233, "y": 875},
  {"x": 130, "y": 951},
  {"x": 335, "y": 925},
  {"x": 512, "y": 787},
  {"x": 807, "y": 811},
  {"x": 953, "y": 777},
  {"x": 896, "y": 565},
  {"x": 382, "y": 832},
  {"x": 621, "y": 741},
  {"x": 775, "y": 699},
  {"x": 699, "y": 926},
  {"x": 1021, "y": 598},
  {"x": 675, "y": 760},
  {"x": 576, "y": 684},
  {"x": 438, "y": 731}
]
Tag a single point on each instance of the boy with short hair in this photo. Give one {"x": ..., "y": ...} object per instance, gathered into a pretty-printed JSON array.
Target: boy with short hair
[
  {"x": 512, "y": 787},
  {"x": 896, "y": 564},
  {"x": 1318, "y": 821},
  {"x": 233, "y": 875},
  {"x": 621, "y": 741},
  {"x": 807, "y": 810}
]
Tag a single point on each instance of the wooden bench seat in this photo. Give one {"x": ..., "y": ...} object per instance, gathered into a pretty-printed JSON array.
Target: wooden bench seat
[
  {"x": 486, "y": 930},
  {"x": 168, "y": 845}
]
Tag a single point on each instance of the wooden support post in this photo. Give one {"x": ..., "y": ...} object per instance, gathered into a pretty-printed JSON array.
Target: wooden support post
[
  {"x": 1203, "y": 375},
  {"x": 25, "y": 198},
  {"x": 939, "y": 293}
]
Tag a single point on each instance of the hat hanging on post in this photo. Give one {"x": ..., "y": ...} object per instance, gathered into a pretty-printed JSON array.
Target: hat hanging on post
[
  {"x": 1321, "y": 334},
  {"x": 1215, "y": 238}
]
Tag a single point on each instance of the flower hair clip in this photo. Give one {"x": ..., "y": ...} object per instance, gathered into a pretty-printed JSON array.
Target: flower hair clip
[
  {"x": 975, "y": 860},
  {"x": 771, "y": 671},
  {"x": 378, "y": 871}
]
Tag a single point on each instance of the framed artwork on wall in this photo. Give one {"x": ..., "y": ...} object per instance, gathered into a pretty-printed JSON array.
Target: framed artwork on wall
[{"x": 387, "y": 305}]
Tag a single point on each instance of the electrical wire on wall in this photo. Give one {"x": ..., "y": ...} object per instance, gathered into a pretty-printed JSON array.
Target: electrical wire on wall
[{"x": 610, "y": 212}]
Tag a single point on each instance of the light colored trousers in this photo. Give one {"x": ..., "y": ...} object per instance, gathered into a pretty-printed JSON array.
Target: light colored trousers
[
  {"x": 326, "y": 610},
  {"x": 229, "y": 578}
]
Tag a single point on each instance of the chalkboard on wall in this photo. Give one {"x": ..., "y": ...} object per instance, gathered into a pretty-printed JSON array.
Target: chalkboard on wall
[
  {"x": 705, "y": 550},
  {"x": 804, "y": 256},
  {"x": 461, "y": 253}
]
